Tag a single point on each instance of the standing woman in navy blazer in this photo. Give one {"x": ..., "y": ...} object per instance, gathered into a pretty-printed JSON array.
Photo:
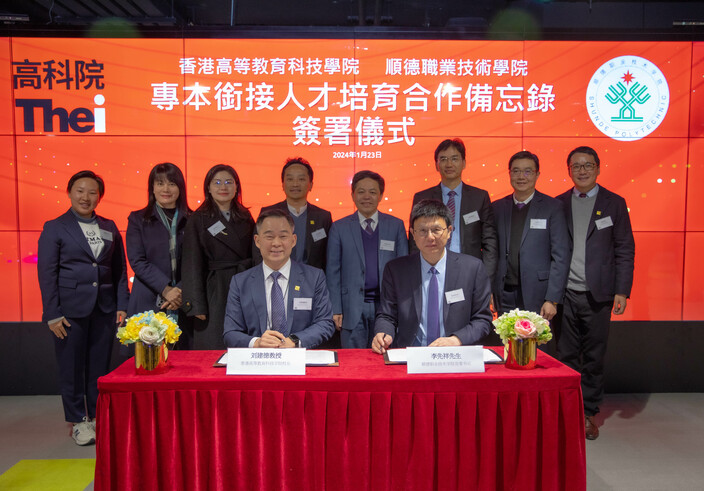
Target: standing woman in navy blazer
[
  {"x": 154, "y": 246},
  {"x": 83, "y": 280},
  {"x": 217, "y": 245}
]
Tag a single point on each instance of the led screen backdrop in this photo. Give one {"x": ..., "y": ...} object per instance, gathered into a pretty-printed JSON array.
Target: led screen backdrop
[{"x": 120, "y": 106}]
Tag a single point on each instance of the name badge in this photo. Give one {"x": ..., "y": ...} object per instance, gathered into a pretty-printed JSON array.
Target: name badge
[
  {"x": 106, "y": 235},
  {"x": 445, "y": 359},
  {"x": 470, "y": 217},
  {"x": 302, "y": 303},
  {"x": 604, "y": 223},
  {"x": 540, "y": 223},
  {"x": 454, "y": 296},
  {"x": 266, "y": 361},
  {"x": 216, "y": 228},
  {"x": 318, "y": 234},
  {"x": 387, "y": 245}
]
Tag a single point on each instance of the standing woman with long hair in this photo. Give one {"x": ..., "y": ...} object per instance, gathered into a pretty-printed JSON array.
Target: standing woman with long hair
[
  {"x": 217, "y": 245},
  {"x": 83, "y": 280},
  {"x": 154, "y": 246}
]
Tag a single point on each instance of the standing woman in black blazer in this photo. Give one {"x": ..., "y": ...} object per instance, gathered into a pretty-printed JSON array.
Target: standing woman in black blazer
[
  {"x": 154, "y": 246},
  {"x": 83, "y": 280},
  {"x": 217, "y": 245}
]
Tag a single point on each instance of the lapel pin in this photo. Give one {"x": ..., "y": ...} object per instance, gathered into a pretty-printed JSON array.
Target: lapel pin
[
  {"x": 297, "y": 288},
  {"x": 312, "y": 222},
  {"x": 598, "y": 213}
]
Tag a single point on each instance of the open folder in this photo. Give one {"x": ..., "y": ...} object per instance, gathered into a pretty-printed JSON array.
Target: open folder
[{"x": 398, "y": 356}]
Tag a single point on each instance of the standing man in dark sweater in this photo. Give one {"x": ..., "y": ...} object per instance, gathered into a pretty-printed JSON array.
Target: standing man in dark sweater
[
  {"x": 534, "y": 247},
  {"x": 312, "y": 224},
  {"x": 360, "y": 245},
  {"x": 473, "y": 219},
  {"x": 600, "y": 277}
]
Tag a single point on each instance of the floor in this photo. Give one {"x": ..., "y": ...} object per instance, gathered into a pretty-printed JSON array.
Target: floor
[{"x": 647, "y": 441}]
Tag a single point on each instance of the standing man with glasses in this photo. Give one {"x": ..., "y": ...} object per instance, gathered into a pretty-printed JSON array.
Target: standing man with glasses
[
  {"x": 534, "y": 248},
  {"x": 433, "y": 297},
  {"x": 359, "y": 247},
  {"x": 280, "y": 303},
  {"x": 600, "y": 276},
  {"x": 471, "y": 215}
]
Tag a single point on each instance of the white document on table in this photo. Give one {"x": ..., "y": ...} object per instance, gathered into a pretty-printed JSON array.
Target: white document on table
[{"x": 399, "y": 356}]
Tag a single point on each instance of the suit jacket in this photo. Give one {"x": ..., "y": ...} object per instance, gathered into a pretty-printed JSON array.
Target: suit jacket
[
  {"x": 346, "y": 264},
  {"x": 71, "y": 279},
  {"x": 207, "y": 266},
  {"x": 400, "y": 314},
  {"x": 477, "y": 238},
  {"x": 315, "y": 251},
  {"x": 246, "y": 314},
  {"x": 610, "y": 252},
  {"x": 148, "y": 253},
  {"x": 544, "y": 256}
]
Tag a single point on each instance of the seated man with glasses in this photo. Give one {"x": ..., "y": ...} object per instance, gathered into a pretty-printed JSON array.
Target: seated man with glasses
[
  {"x": 433, "y": 297},
  {"x": 534, "y": 247}
]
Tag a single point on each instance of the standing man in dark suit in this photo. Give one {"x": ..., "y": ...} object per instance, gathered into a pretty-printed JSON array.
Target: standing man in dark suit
[
  {"x": 534, "y": 248},
  {"x": 434, "y": 297},
  {"x": 470, "y": 207},
  {"x": 311, "y": 222},
  {"x": 360, "y": 245},
  {"x": 600, "y": 277},
  {"x": 280, "y": 303}
]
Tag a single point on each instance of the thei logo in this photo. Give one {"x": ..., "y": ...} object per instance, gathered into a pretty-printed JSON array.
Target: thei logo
[{"x": 80, "y": 119}]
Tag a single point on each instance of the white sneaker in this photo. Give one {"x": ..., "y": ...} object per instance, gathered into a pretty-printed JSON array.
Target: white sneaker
[{"x": 84, "y": 432}]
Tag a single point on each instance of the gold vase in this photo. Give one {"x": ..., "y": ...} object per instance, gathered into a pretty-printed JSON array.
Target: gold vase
[
  {"x": 150, "y": 359},
  {"x": 521, "y": 353}
]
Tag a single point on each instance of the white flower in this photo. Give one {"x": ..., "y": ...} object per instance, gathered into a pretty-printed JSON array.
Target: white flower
[{"x": 150, "y": 335}]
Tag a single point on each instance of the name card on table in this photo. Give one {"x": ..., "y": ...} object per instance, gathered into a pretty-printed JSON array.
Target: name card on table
[
  {"x": 265, "y": 361},
  {"x": 445, "y": 359}
]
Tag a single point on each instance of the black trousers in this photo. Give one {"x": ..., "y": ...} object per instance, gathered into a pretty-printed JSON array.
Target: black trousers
[
  {"x": 581, "y": 344},
  {"x": 83, "y": 356}
]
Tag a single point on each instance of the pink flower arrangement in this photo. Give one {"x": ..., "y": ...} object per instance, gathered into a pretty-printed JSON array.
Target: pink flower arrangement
[{"x": 524, "y": 329}]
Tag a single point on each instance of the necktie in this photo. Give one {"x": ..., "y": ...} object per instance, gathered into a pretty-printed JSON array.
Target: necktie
[
  {"x": 582, "y": 195},
  {"x": 278, "y": 309},
  {"x": 368, "y": 226},
  {"x": 520, "y": 205},
  {"x": 433, "y": 307},
  {"x": 451, "y": 204}
]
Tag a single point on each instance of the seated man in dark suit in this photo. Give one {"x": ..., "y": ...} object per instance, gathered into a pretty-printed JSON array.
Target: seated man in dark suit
[
  {"x": 433, "y": 297},
  {"x": 280, "y": 303},
  {"x": 311, "y": 222}
]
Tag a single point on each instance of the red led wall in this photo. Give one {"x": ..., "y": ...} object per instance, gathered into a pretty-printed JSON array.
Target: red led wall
[{"x": 348, "y": 105}]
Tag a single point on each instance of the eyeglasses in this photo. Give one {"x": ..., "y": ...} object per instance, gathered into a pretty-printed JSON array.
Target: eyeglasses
[
  {"x": 522, "y": 172},
  {"x": 424, "y": 232},
  {"x": 226, "y": 182},
  {"x": 589, "y": 166},
  {"x": 456, "y": 159}
]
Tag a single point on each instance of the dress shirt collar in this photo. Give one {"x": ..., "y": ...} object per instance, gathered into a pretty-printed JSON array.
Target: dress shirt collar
[
  {"x": 295, "y": 213},
  {"x": 363, "y": 222},
  {"x": 525, "y": 201},
  {"x": 446, "y": 190},
  {"x": 285, "y": 270},
  {"x": 590, "y": 194},
  {"x": 440, "y": 265}
]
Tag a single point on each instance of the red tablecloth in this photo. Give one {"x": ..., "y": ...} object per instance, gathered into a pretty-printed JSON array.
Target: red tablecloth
[{"x": 362, "y": 425}]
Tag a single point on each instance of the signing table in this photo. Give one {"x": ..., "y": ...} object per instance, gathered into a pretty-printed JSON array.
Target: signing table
[{"x": 362, "y": 425}]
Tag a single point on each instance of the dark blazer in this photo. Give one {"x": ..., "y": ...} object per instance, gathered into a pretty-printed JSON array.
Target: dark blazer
[
  {"x": 477, "y": 238},
  {"x": 315, "y": 251},
  {"x": 148, "y": 253},
  {"x": 610, "y": 252},
  {"x": 246, "y": 315},
  {"x": 346, "y": 263},
  {"x": 544, "y": 256},
  {"x": 71, "y": 280},
  {"x": 208, "y": 264},
  {"x": 399, "y": 314}
]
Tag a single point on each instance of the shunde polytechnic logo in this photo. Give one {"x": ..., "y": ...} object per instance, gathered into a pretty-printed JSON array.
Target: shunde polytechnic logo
[{"x": 627, "y": 98}]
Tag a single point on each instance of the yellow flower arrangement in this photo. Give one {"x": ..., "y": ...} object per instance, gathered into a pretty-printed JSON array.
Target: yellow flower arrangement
[{"x": 150, "y": 328}]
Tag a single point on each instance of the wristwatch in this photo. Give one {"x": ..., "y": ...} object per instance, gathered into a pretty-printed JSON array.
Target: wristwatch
[{"x": 295, "y": 340}]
